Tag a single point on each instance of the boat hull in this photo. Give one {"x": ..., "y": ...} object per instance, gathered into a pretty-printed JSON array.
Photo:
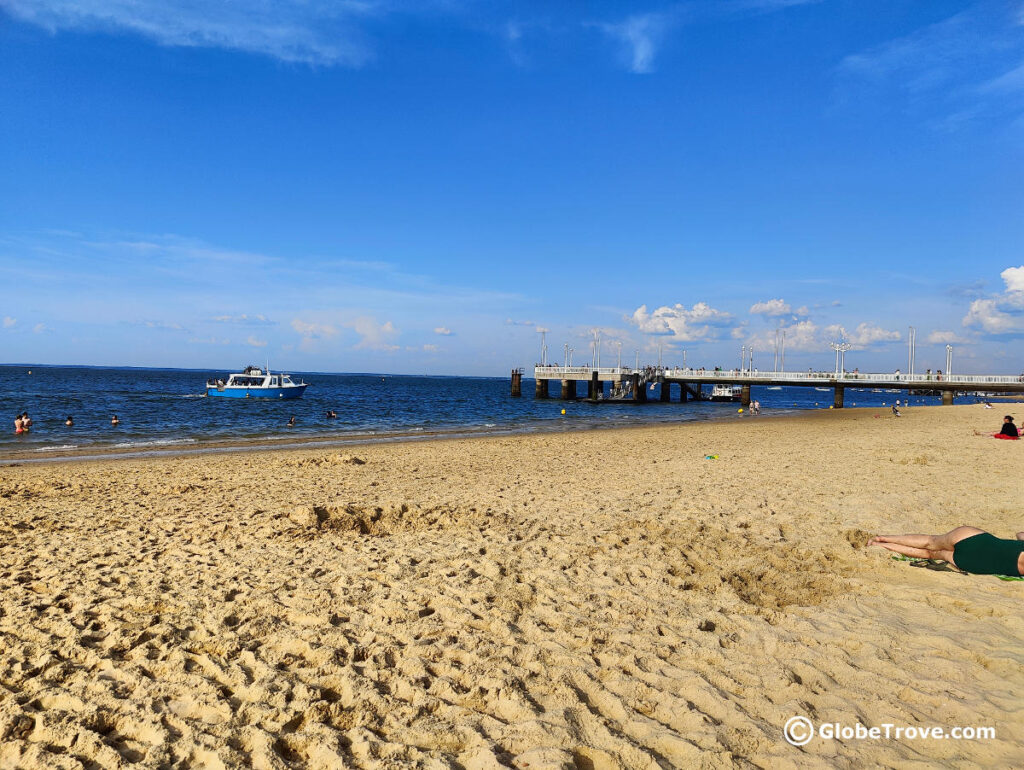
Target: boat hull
[{"x": 295, "y": 391}]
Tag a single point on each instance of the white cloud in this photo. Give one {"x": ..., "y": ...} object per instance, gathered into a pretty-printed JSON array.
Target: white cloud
[
  {"x": 170, "y": 326},
  {"x": 950, "y": 66},
  {"x": 802, "y": 336},
  {"x": 510, "y": 322},
  {"x": 321, "y": 32},
  {"x": 698, "y": 323},
  {"x": 40, "y": 328},
  {"x": 444, "y": 331},
  {"x": 865, "y": 335},
  {"x": 373, "y": 335},
  {"x": 1001, "y": 313},
  {"x": 257, "y": 319},
  {"x": 986, "y": 315},
  {"x": 945, "y": 337},
  {"x": 9, "y": 322},
  {"x": 542, "y": 329},
  {"x": 639, "y": 37},
  {"x": 431, "y": 348},
  {"x": 256, "y": 343},
  {"x": 771, "y": 307},
  {"x": 209, "y": 341},
  {"x": 313, "y": 330},
  {"x": 1013, "y": 277}
]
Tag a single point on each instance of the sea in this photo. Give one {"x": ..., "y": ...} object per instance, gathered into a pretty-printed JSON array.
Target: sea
[{"x": 167, "y": 410}]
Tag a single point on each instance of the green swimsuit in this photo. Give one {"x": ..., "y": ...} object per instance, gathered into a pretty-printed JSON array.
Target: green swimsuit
[{"x": 987, "y": 554}]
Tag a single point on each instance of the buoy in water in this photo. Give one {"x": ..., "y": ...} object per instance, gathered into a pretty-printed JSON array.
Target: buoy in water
[
  {"x": 563, "y": 411},
  {"x": 740, "y": 410}
]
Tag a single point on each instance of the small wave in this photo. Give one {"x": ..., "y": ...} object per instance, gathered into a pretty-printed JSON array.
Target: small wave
[
  {"x": 154, "y": 442},
  {"x": 56, "y": 448},
  {"x": 490, "y": 424}
]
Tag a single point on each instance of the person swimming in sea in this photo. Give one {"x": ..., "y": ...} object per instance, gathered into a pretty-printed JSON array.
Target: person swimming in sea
[
  {"x": 291, "y": 422},
  {"x": 114, "y": 420},
  {"x": 967, "y": 548},
  {"x": 70, "y": 421}
]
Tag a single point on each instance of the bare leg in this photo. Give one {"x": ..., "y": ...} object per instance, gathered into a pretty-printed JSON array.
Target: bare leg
[
  {"x": 927, "y": 542},
  {"x": 906, "y": 550}
]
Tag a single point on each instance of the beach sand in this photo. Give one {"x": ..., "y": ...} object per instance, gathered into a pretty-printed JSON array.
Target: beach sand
[{"x": 594, "y": 599}]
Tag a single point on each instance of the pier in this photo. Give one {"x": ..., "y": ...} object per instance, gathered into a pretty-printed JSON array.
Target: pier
[{"x": 636, "y": 382}]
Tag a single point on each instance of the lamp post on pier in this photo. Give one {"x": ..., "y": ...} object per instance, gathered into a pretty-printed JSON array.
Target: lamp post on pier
[
  {"x": 619, "y": 364},
  {"x": 840, "y": 348},
  {"x": 911, "y": 350},
  {"x": 566, "y": 355},
  {"x": 949, "y": 360}
]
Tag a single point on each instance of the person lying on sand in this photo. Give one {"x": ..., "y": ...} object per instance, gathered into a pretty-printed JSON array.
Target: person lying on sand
[{"x": 967, "y": 548}]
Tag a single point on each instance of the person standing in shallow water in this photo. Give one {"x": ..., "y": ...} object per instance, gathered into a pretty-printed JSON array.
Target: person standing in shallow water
[
  {"x": 19, "y": 426},
  {"x": 114, "y": 420},
  {"x": 70, "y": 421}
]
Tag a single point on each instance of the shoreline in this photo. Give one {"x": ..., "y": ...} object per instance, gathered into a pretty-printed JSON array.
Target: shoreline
[{"x": 217, "y": 447}]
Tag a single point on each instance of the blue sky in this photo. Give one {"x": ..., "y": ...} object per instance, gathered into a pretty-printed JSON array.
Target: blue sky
[{"x": 418, "y": 187}]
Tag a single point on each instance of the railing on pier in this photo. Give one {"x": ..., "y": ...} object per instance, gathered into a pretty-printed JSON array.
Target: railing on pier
[{"x": 731, "y": 375}]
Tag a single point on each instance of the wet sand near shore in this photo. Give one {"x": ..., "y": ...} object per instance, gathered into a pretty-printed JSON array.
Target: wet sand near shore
[{"x": 594, "y": 599}]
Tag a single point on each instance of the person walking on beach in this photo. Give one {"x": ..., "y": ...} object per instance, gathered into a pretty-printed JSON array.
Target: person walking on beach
[{"x": 967, "y": 548}]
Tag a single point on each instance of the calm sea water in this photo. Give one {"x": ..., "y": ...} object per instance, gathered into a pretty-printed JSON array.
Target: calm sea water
[{"x": 163, "y": 408}]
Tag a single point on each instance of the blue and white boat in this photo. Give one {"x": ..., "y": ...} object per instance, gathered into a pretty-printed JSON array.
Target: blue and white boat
[{"x": 254, "y": 382}]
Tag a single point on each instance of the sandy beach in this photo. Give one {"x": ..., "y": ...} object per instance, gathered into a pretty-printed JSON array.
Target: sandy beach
[{"x": 596, "y": 599}]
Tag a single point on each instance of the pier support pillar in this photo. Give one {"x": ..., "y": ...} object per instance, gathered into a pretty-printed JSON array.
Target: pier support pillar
[
  {"x": 684, "y": 394},
  {"x": 666, "y": 391},
  {"x": 639, "y": 394},
  {"x": 595, "y": 390},
  {"x": 837, "y": 402},
  {"x": 541, "y": 389},
  {"x": 517, "y": 383},
  {"x": 745, "y": 396},
  {"x": 568, "y": 390},
  {"x": 947, "y": 398}
]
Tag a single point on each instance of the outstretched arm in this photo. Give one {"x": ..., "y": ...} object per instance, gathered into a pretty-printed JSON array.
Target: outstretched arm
[{"x": 1020, "y": 535}]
